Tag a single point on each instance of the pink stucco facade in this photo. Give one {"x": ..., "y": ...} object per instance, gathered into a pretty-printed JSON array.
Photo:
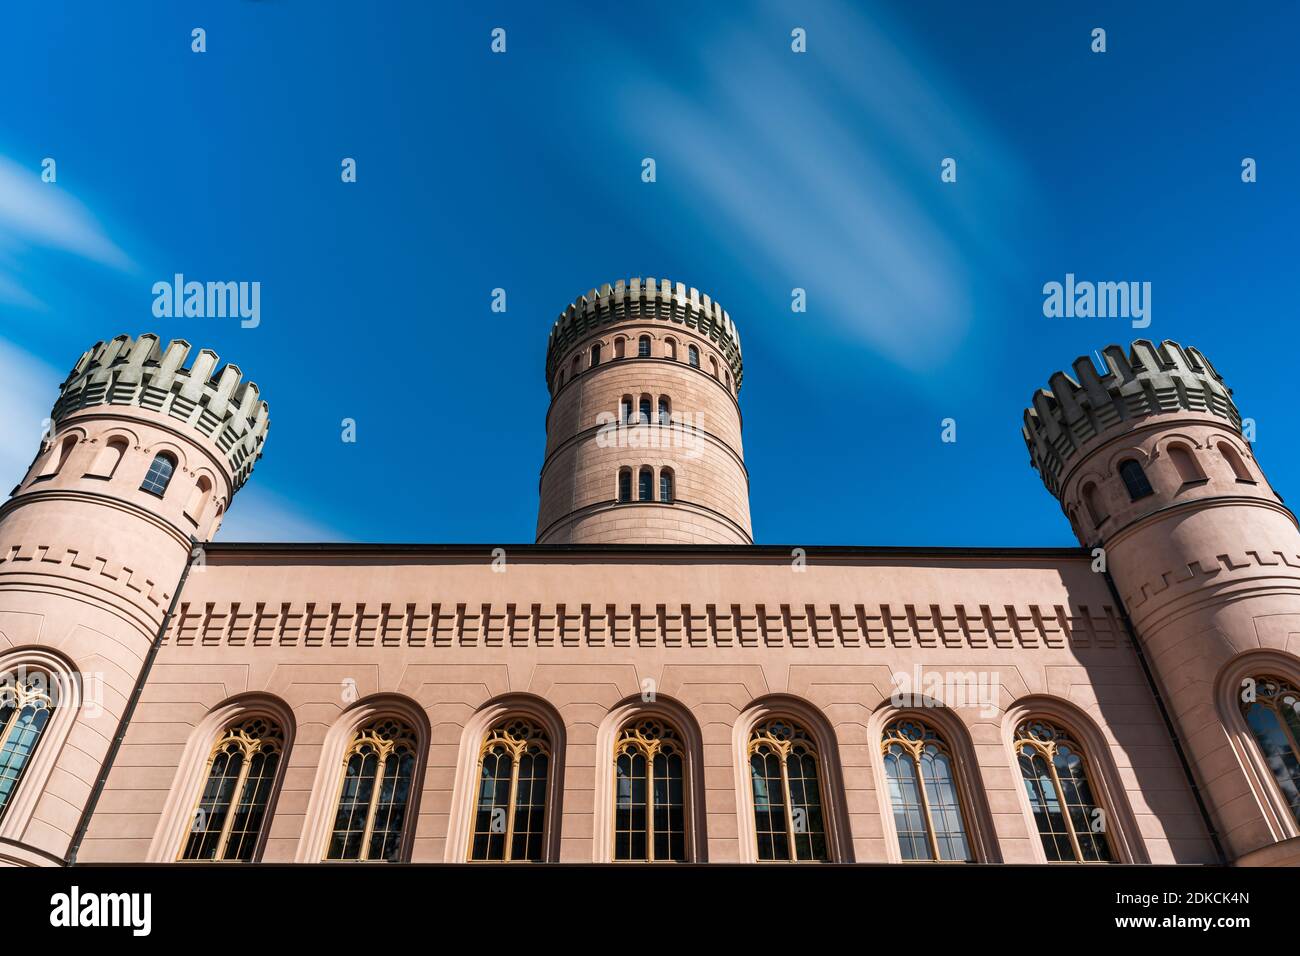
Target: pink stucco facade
[{"x": 637, "y": 612}]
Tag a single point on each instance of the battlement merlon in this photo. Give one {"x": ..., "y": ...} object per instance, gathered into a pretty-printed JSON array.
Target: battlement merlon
[
  {"x": 1146, "y": 380},
  {"x": 656, "y": 299},
  {"x": 219, "y": 405}
]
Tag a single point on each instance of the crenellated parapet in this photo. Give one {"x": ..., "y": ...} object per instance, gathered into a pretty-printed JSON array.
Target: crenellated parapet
[
  {"x": 1146, "y": 380},
  {"x": 656, "y": 299},
  {"x": 220, "y": 405}
]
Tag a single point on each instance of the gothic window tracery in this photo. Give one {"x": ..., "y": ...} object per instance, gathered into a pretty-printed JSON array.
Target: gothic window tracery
[
  {"x": 26, "y": 706},
  {"x": 649, "y": 792},
  {"x": 232, "y": 805},
  {"x": 924, "y": 793},
  {"x": 510, "y": 808},
  {"x": 1272, "y": 711},
  {"x": 1071, "y": 821},
  {"x": 785, "y": 781},
  {"x": 378, "y": 768}
]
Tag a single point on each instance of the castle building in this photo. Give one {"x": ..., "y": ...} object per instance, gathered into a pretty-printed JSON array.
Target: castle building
[{"x": 644, "y": 683}]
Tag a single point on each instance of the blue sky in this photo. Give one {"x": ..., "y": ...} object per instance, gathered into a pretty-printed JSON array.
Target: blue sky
[{"x": 775, "y": 170}]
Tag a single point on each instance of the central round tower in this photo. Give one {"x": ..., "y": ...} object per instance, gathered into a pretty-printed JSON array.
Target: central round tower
[{"x": 643, "y": 431}]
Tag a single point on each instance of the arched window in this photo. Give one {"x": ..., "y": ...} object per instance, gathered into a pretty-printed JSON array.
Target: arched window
[
  {"x": 1135, "y": 479},
  {"x": 649, "y": 792},
  {"x": 1092, "y": 501},
  {"x": 713, "y": 366},
  {"x": 665, "y": 411},
  {"x": 26, "y": 706},
  {"x": 227, "y": 821},
  {"x": 924, "y": 794},
  {"x": 1271, "y": 707},
  {"x": 670, "y": 348},
  {"x": 643, "y": 410},
  {"x": 58, "y": 459},
  {"x": 573, "y": 369},
  {"x": 786, "y": 784},
  {"x": 510, "y": 815},
  {"x": 109, "y": 457},
  {"x": 666, "y": 485},
  {"x": 1070, "y": 821},
  {"x": 643, "y": 347},
  {"x": 728, "y": 374},
  {"x": 693, "y": 356},
  {"x": 620, "y": 344},
  {"x": 625, "y": 409},
  {"x": 1185, "y": 464},
  {"x": 373, "y": 796},
  {"x": 199, "y": 498},
  {"x": 595, "y": 355},
  {"x": 625, "y": 484},
  {"x": 159, "y": 474},
  {"x": 645, "y": 484},
  {"x": 1239, "y": 469}
]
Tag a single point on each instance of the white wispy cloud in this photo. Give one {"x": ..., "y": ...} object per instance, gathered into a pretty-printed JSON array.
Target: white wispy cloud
[
  {"x": 28, "y": 388},
  {"x": 37, "y": 217},
  {"x": 260, "y": 514}
]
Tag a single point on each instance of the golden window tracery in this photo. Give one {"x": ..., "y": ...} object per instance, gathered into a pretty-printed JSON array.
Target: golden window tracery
[
  {"x": 1272, "y": 711},
  {"x": 26, "y": 706},
  {"x": 785, "y": 782},
  {"x": 649, "y": 792},
  {"x": 1071, "y": 821},
  {"x": 510, "y": 809},
  {"x": 924, "y": 793},
  {"x": 378, "y": 768},
  {"x": 232, "y": 806}
]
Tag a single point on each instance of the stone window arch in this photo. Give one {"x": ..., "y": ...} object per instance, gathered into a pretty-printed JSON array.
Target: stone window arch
[
  {"x": 1135, "y": 479},
  {"x": 666, "y": 490},
  {"x": 791, "y": 788},
  {"x": 1185, "y": 463},
  {"x": 624, "y": 485},
  {"x": 59, "y": 455},
  {"x": 1093, "y": 504},
  {"x": 665, "y": 411},
  {"x": 693, "y": 356},
  {"x": 109, "y": 457},
  {"x": 1235, "y": 462},
  {"x": 645, "y": 484},
  {"x": 927, "y": 802},
  {"x": 643, "y": 347}
]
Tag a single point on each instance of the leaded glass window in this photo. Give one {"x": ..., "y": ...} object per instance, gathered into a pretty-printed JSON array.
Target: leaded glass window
[
  {"x": 650, "y": 793},
  {"x": 377, "y": 774},
  {"x": 159, "y": 475},
  {"x": 237, "y": 790},
  {"x": 510, "y": 806},
  {"x": 1135, "y": 480},
  {"x": 1272, "y": 712},
  {"x": 785, "y": 781},
  {"x": 924, "y": 793},
  {"x": 1070, "y": 819},
  {"x": 25, "y": 710}
]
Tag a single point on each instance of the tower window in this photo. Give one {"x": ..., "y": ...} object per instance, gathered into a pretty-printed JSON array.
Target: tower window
[
  {"x": 1185, "y": 464},
  {"x": 643, "y": 347},
  {"x": 670, "y": 347},
  {"x": 1275, "y": 724},
  {"x": 643, "y": 409},
  {"x": 625, "y": 485},
  {"x": 1135, "y": 479},
  {"x": 1092, "y": 501},
  {"x": 1239, "y": 470},
  {"x": 619, "y": 345},
  {"x": 693, "y": 356},
  {"x": 645, "y": 485},
  {"x": 625, "y": 409},
  {"x": 713, "y": 366},
  {"x": 595, "y": 355},
  {"x": 159, "y": 475},
  {"x": 665, "y": 411},
  {"x": 106, "y": 462},
  {"x": 25, "y": 710},
  {"x": 666, "y": 486}
]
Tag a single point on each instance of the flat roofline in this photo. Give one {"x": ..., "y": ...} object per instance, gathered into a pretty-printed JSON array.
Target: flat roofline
[{"x": 662, "y": 550}]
